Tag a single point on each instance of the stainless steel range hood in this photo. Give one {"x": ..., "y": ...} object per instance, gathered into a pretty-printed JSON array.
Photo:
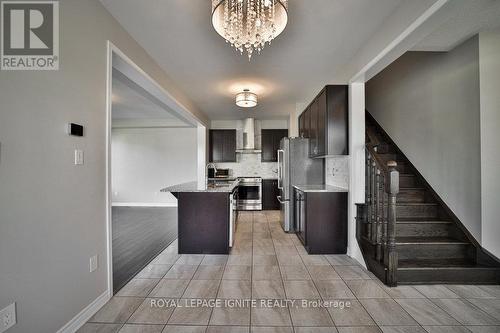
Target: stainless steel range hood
[{"x": 248, "y": 138}]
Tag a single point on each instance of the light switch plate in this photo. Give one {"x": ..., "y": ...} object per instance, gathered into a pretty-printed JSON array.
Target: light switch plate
[
  {"x": 7, "y": 317},
  {"x": 93, "y": 263},
  {"x": 78, "y": 157}
]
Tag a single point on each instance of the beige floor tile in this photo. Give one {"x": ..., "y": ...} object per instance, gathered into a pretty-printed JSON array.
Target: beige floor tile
[
  {"x": 117, "y": 310},
  {"x": 258, "y": 329},
  {"x": 214, "y": 259},
  {"x": 469, "y": 291},
  {"x": 350, "y": 313},
  {"x": 99, "y": 328},
  {"x": 426, "y": 313},
  {"x": 401, "y": 291},
  {"x": 366, "y": 289},
  {"x": 238, "y": 316},
  {"x": 237, "y": 273},
  {"x": 149, "y": 313},
  {"x": 228, "y": 329},
  {"x": 169, "y": 288},
  {"x": 446, "y": 329},
  {"x": 436, "y": 291},
  {"x": 153, "y": 272},
  {"x": 190, "y": 259},
  {"x": 484, "y": 329},
  {"x": 235, "y": 289},
  {"x": 323, "y": 272},
  {"x": 138, "y": 287},
  {"x": 190, "y": 316},
  {"x": 359, "y": 329},
  {"x": 465, "y": 313},
  {"x": 264, "y": 250},
  {"x": 490, "y": 306},
  {"x": 239, "y": 260},
  {"x": 166, "y": 259},
  {"x": 286, "y": 250},
  {"x": 270, "y": 316},
  {"x": 287, "y": 260},
  {"x": 402, "y": 329},
  {"x": 266, "y": 273},
  {"x": 295, "y": 272},
  {"x": 301, "y": 290},
  {"x": 386, "y": 312},
  {"x": 208, "y": 272},
  {"x": 184, "y": 329},
  {"x": 315, "y": 330},
  {"x": 133, "y": 328},
  {"x": 305, "y": 316},
  {"x": 314, "y": 260},
  {"x": 341, "y": 260},
  {"x": 268, "y": 289},
  {"x": 333, "y": 290},
  {"x": 352, "y": 273},
  {"x": 265, "y": 260},
  {"x": 492, "y": 290},
  {"x": 202, "y": 289},
  {"x": 181, "y": 272}
]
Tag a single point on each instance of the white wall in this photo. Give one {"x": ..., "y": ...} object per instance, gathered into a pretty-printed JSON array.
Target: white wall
[
  {"x": 145, "y": 160},
  {"x": 53, "y": 213},
  {"x": 429, "y": 104},
  {"x": 489, "y": 63}
]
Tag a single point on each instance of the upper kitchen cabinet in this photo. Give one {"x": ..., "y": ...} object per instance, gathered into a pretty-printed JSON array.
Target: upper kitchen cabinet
[
  {"x": 325, "y": 122},
  {"x": 222, "y": 146},
  {"x": 271, "y": 143}
]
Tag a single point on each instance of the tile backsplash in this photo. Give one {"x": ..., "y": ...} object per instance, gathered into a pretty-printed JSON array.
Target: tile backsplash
[
  {"x": 251, "y": 165},
  {"x": 337, "y": 171}
]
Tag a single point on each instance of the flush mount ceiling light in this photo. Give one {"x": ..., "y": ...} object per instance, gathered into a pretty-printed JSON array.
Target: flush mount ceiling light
[
  {"x": 249, "y": 24},
  {"x": 246, "y": 99}
]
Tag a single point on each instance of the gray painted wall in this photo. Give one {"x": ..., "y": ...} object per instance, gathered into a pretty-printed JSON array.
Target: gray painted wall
[
  {"x": 489, "y": 59},
  {"x": 145, "y": 160},
  {"x": 52, "y": 213},
  {"x": 429, "y": 104}
]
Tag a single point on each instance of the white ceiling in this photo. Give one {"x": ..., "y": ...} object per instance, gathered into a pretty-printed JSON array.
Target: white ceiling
[
  {"x": 131, "y": 102},
  {"x": 321, "y": 38},
  {"x": 467, "y": 19}
]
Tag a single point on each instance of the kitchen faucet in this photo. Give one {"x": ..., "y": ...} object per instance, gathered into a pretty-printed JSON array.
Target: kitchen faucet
[{"x": 206, "y": 170}]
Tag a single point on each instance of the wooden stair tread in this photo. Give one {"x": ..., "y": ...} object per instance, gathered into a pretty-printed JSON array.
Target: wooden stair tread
[
  {"x": 423, "y": 221},
  {"x": 440, "y": 263},
  {"x": 428, "y": 240}
]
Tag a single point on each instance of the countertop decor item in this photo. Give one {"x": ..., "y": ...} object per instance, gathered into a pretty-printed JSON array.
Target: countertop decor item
[{"x": 249, "y": 24}]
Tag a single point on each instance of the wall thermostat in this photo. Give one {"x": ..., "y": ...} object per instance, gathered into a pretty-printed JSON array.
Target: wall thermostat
[{"x": 75, "y": 129}]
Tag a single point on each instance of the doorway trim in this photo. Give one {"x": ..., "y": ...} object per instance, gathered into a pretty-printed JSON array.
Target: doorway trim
[{"x": 118, "y": 59}]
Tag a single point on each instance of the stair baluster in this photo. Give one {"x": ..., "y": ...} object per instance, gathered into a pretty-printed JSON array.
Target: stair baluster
[
  {"x": 368, "y": 195},
  {"x": 392, "y": 189}
]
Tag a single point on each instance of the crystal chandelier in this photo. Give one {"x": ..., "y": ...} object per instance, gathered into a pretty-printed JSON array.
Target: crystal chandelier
[{"x": 249, "y": 24}]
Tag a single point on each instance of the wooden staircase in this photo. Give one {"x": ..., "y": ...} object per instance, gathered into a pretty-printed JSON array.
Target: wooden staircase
[{"x": 406, "y": 232}]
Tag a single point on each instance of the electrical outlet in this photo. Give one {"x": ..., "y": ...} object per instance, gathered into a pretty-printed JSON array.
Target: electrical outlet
[
  {"x": 7, "y": 317},
  {"x": 93, "y": 263},
  {"x": 78, "y": 157}
]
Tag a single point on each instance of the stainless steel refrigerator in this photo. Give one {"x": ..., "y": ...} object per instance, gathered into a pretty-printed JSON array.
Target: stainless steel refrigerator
[{"x": 296, "y": 168}]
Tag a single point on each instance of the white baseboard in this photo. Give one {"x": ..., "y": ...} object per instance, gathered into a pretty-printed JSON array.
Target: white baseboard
[
  {"x": 144, "y": 204},
  {"x": 80, "y": 319}
]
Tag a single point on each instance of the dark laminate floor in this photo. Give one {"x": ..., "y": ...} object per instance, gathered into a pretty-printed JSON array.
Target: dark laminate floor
[{"x": 139, "y": 235}]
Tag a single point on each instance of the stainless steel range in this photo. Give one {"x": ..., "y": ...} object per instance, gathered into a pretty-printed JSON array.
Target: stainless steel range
[{"x": 249, "y": 193}]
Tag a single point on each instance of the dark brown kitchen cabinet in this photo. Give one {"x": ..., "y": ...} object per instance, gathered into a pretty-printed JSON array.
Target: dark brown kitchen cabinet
[
  {"x": 271, "y": 143},
  {"x": 222, "y": 146},
  {"x": 270, "y": 194},
  {"x": 320, "y": 221},
  {"x": 325, "y": 122}
]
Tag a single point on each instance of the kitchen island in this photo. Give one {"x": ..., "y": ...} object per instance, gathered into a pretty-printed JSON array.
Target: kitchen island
[{"x": 206, "y": 215}]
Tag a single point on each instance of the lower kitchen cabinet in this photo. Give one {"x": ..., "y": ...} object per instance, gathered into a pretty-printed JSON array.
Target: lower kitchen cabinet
[
  {"x": 270, "y": 194},
  {"x": 320, "y": 220}
]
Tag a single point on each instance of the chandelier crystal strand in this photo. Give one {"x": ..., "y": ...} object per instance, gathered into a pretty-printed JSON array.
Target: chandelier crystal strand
[{"x": 248, "y": 25}]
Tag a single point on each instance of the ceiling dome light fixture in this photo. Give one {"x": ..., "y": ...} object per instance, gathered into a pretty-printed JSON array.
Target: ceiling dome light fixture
[
  {"x": 246, "y": 99},
  {"x": 249, "y": 24}
]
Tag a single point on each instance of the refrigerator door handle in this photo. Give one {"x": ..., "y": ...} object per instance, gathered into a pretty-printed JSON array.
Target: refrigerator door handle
[
  {"x": 280, "y": 171},
  {"x": 279, "y": 199}
]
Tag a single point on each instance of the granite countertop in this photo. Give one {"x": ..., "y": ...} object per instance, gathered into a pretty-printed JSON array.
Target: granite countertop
[
  {"x": 226, "y": 187},
  {"x": 320, "y": 188}
]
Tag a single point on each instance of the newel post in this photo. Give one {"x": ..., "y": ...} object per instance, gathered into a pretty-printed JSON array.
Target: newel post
[{"x": 392, "y": 189}]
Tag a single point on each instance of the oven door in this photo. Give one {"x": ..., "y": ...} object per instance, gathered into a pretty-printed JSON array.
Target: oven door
[{"x": 250, "y": 196}]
